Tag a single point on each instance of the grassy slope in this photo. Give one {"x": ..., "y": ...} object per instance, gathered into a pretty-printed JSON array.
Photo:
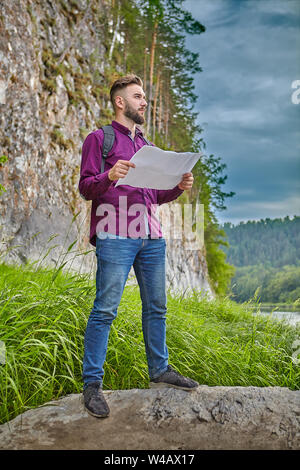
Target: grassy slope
[{"x": 42, "y": 322}]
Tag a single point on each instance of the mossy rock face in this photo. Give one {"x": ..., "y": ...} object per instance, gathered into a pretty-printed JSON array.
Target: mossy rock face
[
  {"x": 51, "y": 105},
  {"x": 58, "y": 137}
]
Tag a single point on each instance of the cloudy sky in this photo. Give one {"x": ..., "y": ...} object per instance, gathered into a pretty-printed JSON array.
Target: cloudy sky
[{"x": 250, "y": 56}]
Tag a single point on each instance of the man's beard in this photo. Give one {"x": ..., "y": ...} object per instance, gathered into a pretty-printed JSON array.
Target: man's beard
[{"x": 132, "y": 114}]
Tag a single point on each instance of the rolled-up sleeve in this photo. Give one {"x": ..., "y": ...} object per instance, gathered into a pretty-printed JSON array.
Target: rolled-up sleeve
[{"x": 92, "y": 183}]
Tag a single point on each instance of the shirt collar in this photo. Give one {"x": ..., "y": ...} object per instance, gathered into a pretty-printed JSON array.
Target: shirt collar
[{"x": 124, "y": 129}]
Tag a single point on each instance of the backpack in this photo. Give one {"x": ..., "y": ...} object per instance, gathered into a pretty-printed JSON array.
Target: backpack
[{"x": 108, "y": 142}]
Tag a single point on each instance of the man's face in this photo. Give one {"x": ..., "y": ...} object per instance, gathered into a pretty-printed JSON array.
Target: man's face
[{"x": 135, "y": 103}]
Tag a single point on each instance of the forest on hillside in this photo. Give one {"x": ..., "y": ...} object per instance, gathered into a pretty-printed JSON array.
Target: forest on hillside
[
  {"x": 273, "y": 242},
  {"x": 266, "y": 256}
]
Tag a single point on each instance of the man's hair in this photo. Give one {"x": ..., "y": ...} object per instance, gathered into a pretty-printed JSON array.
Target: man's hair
[{"x": 122, "y": 83}]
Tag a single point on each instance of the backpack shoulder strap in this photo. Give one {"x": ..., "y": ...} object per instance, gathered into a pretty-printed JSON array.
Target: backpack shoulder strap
[{"x": 108, "y": 142}]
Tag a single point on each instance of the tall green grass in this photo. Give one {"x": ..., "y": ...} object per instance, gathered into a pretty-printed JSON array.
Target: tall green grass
[{"x": 43, "y": 315}]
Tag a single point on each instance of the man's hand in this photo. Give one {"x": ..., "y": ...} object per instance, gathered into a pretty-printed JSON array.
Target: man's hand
[
  {"x": 187, "y": 181},
  {"x": 120, "y": 169}
]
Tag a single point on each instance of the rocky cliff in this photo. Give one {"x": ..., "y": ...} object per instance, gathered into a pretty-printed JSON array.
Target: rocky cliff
[
  {"x": 244, "y": 418},
  {"x": 53, "y": 92}
]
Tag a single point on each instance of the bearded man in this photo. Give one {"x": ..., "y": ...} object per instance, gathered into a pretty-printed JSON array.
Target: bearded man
[{"x": 118, "y": 247}]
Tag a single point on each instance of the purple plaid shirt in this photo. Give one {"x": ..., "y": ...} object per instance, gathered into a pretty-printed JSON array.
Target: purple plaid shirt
[{"x": 122, "y": 210}]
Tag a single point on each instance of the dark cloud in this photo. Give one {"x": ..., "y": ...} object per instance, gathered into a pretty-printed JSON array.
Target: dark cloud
[{"x": 250, "y": 55}]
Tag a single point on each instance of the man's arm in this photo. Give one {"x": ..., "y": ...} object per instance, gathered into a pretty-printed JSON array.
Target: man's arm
[
  {"x": 168, "y": 195},
  {"x": 92, "y": 183}
]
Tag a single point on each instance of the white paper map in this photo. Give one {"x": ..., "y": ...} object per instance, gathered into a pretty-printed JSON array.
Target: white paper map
[{"x": 158, "y": 169}]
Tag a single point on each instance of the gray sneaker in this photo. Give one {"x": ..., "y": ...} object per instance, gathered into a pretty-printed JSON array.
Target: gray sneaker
[
  {"x": 171, "y": 378},
  {"x": 94, "y": 401}
]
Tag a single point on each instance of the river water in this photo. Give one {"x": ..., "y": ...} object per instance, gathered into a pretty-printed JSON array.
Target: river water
[{"x": 293, "y": 318}]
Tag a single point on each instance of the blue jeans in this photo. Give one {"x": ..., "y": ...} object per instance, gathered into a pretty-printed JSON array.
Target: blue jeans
[{"x": 115, "y": 257}]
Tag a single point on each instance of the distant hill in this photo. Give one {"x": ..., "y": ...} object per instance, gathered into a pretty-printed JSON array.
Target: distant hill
[
  {"x": 266, "y": 255},
  {"x": 271, "y": 242}
]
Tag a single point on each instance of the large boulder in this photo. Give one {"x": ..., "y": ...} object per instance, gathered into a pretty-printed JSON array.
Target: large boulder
[{"x": 207, "y": 418}]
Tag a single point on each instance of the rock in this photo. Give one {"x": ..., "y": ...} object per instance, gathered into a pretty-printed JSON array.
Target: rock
[
  {"x": 207, "y": 418},
  {"x": 2, "y": 92}
]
